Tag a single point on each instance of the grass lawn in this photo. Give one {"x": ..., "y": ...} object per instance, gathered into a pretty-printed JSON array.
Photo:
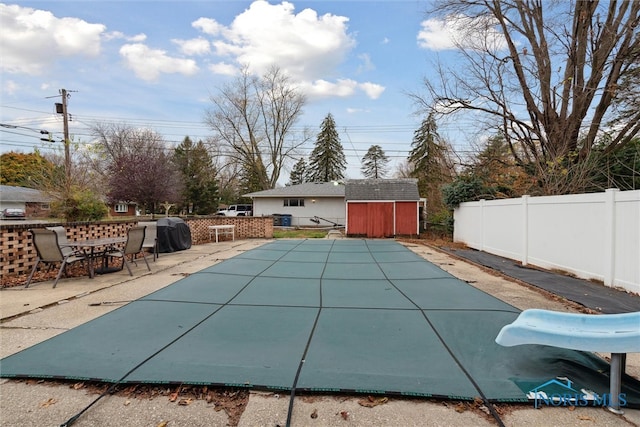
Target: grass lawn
[{"x": 299, "y": 234}]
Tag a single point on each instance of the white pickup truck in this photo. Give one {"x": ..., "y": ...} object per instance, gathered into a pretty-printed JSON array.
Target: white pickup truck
[{"x": 236, "y": 210}]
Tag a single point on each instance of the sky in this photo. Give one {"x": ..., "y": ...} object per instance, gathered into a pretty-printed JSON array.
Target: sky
[{"x": 155, "y": 64}]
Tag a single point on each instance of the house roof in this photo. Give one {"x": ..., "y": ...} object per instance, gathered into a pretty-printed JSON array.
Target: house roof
[
  {"x": 405, "y": 189},
  {"x": 308, "y": 189},
  {"x": 22, "y": 194},
  {"x": 353, "y": 189}
]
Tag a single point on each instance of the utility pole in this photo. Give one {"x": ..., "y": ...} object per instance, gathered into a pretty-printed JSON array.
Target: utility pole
[{"x": 67, "y": 155}]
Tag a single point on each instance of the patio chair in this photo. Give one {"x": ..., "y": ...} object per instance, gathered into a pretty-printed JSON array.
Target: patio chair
[
  {"x": 63, "y": 243},
  {"x": 49, "y": 252},
  {"x": 150, "y": 237},
  {"x": 133, "y": 246}
]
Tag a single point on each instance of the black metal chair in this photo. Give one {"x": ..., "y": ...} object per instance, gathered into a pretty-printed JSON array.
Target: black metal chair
[
  {"x": 133, "y": 246},
  {"x": 62, "y": 239},
  {"x": 49, "y": 252},
  {"x": 150, "y": 237}
]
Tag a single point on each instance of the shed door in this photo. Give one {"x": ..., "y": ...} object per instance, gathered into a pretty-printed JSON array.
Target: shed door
[
  {"x": 380, "y": 219},
  {"x": 406, "y": 218},
  {"x": 370, "y": 219},
  {"x": 357, "y": 219}
]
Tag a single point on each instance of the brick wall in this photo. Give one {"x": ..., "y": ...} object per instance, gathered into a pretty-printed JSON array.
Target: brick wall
[
  {"x": 247, "y": 227},
  {"x": 17, "y": 254}
]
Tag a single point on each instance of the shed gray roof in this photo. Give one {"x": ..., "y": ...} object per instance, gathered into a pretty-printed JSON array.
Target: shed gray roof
[
  {"x": 22, "y": 194},
  {"x": 405, "y": 189},
  {"x": 308, "y": 189}
]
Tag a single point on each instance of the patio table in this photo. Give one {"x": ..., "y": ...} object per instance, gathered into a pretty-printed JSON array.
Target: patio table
[
  {"x": 93, "y": 244},
  {"x": 222, "y": 229}
]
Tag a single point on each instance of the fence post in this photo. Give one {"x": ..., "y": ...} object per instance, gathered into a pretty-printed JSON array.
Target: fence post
[
  {"x": 610, "y": 235},
  {"x": 482, "y": 225},
  {"x": 525, "y": 230}
]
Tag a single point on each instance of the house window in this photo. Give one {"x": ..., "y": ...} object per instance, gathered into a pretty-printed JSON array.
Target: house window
[
  {"x": 294, "y": 202},
  {"x": 121, "y": 208},
  {"x": 45, "y": 206}
]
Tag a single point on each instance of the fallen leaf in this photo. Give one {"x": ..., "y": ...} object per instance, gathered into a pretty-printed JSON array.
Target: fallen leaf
[
  {"x": 314, "y": 414},
  {"x": 48, "y": 402},
  {"x": 185, "y": 402},
  {"x": 585, "y": 418},
  {"x": 163, "y": 424},
  {"x": 78, "y": 386},
  {"x": 460, "y": 407},
  {"x": 371, "y": 401},
  {"x": 173, "y": 397},
  {"x": 345, "y": 415},
  {"x": 127, "y": 403},
  {"x": 572, "y": 408}
]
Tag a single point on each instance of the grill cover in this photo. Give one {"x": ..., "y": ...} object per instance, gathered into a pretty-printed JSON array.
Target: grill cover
[{"x": 173, "y": 235}]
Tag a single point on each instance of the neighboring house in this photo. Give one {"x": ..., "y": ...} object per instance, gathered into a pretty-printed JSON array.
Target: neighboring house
[
  {"x": 312, "y": 204},
  {"x": 366, "y": 207},
  {"x": 35, "y": 203},
  {"x": 122, "y": 209},
  {"x": 382, "y": 207}
]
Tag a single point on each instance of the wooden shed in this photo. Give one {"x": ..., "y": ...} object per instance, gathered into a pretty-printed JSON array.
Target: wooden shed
[{"x": 382, "y": 207}]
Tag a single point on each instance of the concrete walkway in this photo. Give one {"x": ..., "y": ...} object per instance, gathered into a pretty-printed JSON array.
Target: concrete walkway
[{"x": 32, "y": 315}]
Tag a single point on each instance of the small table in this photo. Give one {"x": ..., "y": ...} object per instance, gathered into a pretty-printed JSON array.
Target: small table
[
  {"x": 222, "y": 229},
  {"x": 93, "y": 244}
]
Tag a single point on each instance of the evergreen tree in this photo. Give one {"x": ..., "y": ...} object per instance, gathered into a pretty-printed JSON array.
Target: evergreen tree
[
  {"x": 298, "y": 173},
  {"x": 430, "y": 164},
  {"x": 375, "y": 163},
  {"x": 327, "y": 161},
  {"x": 198, "y": 174}
]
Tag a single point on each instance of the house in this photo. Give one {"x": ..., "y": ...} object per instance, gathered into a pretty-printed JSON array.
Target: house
[
  {"x": 35, "y": 203},
  {"x": 312, "y": 204},
  {"x": 366, "y": 207},
  {"x": 122, "y": 209},
  {"x": 382, "y": 207}
]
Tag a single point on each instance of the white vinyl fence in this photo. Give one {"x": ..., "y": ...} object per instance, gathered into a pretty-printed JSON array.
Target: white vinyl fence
[{"x": 594, "y": 236}]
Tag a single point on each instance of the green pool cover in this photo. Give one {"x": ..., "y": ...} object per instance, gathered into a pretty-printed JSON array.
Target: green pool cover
[{"x": 364, "y": 316}]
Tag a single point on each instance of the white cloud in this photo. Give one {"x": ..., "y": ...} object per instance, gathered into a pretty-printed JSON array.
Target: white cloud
[
  {"x": 10, "y": 87},
  {"x": 308, "y": 46},
  {"x": 32, "y": 39},
  {"x": 138, "y": 38},
  {"x": 207, "y": 26},
  {"x": 148, "y": 63},
  {"x": 199, "y": 46},
  {"x": 323, "y": 88},
  {"x": 372, "y": 90},
  {"x": 460, "y": 30},
  {"x": 224, "y": 69},
  {"x": 113, "y": 35},
  {"x": 119, "y": 35},
  {"x": 341, "y": 88},
  {"x": 367, "y": 64}
]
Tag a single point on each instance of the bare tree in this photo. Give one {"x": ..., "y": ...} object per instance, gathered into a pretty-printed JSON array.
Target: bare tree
[
  {"x": 544, "y": 74},
  {"x": 136, "y": 165},
  {"x": 255, "y": 116}
]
